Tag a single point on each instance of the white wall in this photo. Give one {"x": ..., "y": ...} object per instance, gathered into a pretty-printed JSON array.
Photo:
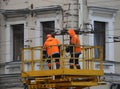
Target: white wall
[{"x": 107, "y": 16}]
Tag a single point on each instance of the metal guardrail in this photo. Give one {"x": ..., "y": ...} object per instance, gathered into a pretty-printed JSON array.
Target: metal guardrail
[
  {"x": 32, "y": 58},
  {"x": 36, "y": 74}
]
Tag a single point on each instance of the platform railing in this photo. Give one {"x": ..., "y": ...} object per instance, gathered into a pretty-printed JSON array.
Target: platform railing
[{"x": 33, "y": 59}]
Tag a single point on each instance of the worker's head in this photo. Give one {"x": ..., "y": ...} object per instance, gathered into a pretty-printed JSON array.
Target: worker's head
[
  {"x": 71, "y": 32},
  {"x": 49, "y": 35}
]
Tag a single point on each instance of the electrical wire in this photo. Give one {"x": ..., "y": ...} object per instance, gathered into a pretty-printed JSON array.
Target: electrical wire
[
  {"x": 31, "y": 28},
  {"x": 4, "y": 43},
  {"x": 26, "y": 28},
  {"x": 39, "y": 30}
]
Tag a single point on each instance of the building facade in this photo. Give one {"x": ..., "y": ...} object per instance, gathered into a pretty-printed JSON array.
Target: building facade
[
  {"x": 107, "y": 12},
  {"x": 26, "y": 23}
]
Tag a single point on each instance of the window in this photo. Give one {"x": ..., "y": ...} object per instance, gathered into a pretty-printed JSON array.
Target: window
[
  {"x": 48, "y": 28},
  {"x": 99, "y": 36},
  {"x": 18, "y": 40}
]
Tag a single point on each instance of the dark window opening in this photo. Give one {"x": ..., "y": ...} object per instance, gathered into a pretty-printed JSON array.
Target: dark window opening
[
  {"x": 48, "y": 28},
  {"x": 115, "y": 86},
  {"x": 18, "y": 40},
  {"x": 99, "y": 36}
]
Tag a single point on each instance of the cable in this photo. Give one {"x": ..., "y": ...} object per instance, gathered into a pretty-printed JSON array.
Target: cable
[
  {"x": 41, "y": 30},
  {"x": 3, "y": 43},
  {"x": 54, "y": 29}
]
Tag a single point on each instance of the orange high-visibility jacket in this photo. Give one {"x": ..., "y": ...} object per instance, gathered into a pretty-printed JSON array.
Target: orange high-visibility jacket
[
  {"x": 50, "y": 46},
  {"x": 74, "y": 40}
]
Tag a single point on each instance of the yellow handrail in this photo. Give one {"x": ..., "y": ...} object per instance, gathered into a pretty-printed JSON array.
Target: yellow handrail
[{"x": 86, "y": 59}]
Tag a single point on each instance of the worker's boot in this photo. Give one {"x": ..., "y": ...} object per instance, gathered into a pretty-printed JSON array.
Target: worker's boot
[
  {"x": 71, "y": 66},
  {"x": 25, "y": 86},
  {"x": 57, "y": 65},
  {"x": 49, "y": 65},
  {"x": 78, "y": 66}
]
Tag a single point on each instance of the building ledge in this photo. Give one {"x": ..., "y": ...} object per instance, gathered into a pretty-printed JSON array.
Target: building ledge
[
  {"x": 23, "y": 12},
  {"x": 110, "y": 10}
]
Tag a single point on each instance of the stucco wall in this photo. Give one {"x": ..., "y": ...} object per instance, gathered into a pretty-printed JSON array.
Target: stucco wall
[
  {"x": 15, "y": 4},
  {"x": 20, "y": 4},
  {"x": 2, "y": 39},
  {"x": 117, "y": 34},
  {"x": 101, "y": 87},
  {"x": 113, "y": 5},
  {"x": 117, "y": 68}
]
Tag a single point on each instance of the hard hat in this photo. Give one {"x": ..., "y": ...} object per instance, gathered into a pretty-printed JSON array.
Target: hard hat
[{"x": 49, "y": 35}]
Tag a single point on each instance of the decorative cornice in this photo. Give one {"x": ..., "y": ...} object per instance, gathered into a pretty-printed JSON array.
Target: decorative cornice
[
  {"x": 102, "y": 10},
  {"x": 25, "y": 11}
]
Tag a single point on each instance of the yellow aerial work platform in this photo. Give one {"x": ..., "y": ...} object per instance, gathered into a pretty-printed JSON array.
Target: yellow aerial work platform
[{"x": 37, "y": 75}]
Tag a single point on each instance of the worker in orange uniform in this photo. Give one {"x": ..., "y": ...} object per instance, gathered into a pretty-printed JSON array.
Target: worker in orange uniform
[
  {"x": 51, "y": 46},
  {"x": 76, "y": 51}
]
